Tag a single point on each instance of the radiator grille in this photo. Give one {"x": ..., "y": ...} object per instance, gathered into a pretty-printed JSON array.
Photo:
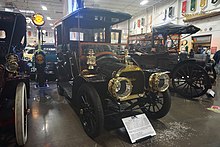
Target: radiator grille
[{"x": 137, "y": 80}]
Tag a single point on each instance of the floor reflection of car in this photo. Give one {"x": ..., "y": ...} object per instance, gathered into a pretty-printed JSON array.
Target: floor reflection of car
[
  {"x": 51, "y": 60},
  {"x": 28, "y": 53}
]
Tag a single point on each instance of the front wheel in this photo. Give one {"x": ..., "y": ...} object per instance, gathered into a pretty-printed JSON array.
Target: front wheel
[
  {"x": 20, "y": 114},
  {"x": 90, "y": 110},
  {"x": 156, "y": 104}
]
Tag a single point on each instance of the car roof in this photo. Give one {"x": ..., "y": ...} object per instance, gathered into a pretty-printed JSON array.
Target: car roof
[
  {"x": 14, "y": 24},
  {"x": 171, "y": 28},
  {"x": 92, "y": 18}
]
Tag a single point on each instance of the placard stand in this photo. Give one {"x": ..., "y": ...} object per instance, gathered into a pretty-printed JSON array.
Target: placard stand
[{"x": 138, "y": 127}]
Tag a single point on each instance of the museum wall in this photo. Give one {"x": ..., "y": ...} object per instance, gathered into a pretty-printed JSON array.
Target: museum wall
[
  {"x": 155, "y": 15},
  {"x": 32, "y": 37}
]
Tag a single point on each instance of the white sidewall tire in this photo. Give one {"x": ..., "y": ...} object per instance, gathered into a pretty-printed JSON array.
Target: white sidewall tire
[{"x": 20, "y": 114}]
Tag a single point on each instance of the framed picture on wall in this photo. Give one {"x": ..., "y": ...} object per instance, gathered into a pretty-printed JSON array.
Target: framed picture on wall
[
  {"x": 184, "y": 6},
  {"x": 193, "y": 5}
]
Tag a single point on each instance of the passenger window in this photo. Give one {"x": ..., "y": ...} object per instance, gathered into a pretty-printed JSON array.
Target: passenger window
[{"x": 2, "y": 34}]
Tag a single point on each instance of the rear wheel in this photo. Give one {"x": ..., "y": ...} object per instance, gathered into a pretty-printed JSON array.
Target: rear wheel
[
  {"x": 156, "y": 104},
  {"x": 21, "y": 114},
  {"x": 190, "y": 80},
  {"x": 90, "y": 110}
]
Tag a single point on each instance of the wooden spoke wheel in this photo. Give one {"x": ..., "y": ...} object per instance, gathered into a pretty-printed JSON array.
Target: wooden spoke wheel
[
  {"x": 156, "y": 104},
  {"x": 90, "y": 110},
  {"x": 21, "y": 114},
  {"x": 190, "y": 80}
]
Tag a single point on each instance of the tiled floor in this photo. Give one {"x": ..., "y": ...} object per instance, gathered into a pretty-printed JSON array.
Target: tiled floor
[{"x": 53, "y": 123}]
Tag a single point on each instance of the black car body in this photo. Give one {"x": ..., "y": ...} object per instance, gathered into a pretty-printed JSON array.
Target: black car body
[
  {"x": 99, "y": 78},
  {"x": 14, "y": 78}
]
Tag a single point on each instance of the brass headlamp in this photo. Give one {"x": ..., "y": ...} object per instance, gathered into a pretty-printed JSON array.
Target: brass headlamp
[
  {"x": 159, "y": 81},
  {"x": 12, "y": 63},
  {"x": 120, "y": 87}
]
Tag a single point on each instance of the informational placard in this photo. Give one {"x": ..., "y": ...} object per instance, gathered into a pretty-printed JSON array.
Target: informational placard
[{"x": 138, "y": 127}]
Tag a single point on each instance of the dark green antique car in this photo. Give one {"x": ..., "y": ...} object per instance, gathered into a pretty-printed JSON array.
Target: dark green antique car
[
  {"x": 14, "y": 79},
  {"x": 98, "y": 77}
]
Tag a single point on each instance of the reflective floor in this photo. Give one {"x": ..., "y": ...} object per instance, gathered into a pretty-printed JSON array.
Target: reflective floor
[{"x": 53, "y": 123}]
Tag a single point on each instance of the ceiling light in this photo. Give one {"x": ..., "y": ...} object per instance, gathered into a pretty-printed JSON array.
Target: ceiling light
[
  {"x": 8, "y": 9},
  {"x": 44, "y": 7},
  {"x": 144, "y": 2},
  {"x": 27, "y": 11},
  {"x": 51, "y": 24},
  {"x": 48, "y": 18}
]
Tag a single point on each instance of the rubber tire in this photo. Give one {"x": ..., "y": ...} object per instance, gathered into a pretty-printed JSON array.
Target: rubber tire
[
  {"x": 20, "y": 114},
  {"x": 93, "y": 95},
  {"x": 164, "y": 109},
  {"x": 205, "y": 74}
]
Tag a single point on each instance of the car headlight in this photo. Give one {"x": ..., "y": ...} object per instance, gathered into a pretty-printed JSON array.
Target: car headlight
[
  {"x": 12, "y": 67},
  {"x": 12, "y": 63},
  {"x": 159, "y": 82},
  {"x": 120, "y": 87}
]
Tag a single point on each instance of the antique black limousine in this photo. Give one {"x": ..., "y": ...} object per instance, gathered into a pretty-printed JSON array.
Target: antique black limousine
[
  {"x": 14, "y": 79},
  {"x": 98, "y": 76}
]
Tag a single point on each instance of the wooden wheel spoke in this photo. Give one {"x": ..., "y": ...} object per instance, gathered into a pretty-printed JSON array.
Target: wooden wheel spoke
[
  {"x": 157, "y": 107},
  {"x": 180, "y": 74},
  {"x": 181, "y": 84},
  {"x": 154, "y": 108},
  {"x": 184, "y": 73},
  {"x": 185, "y": 86}
]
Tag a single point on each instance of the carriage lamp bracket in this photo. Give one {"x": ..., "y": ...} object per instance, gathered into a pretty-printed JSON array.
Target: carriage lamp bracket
[{"x": 91, "y": 60}]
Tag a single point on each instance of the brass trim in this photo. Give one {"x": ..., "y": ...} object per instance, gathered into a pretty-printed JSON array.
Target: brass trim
[
  {"x": 134, "y": 96},
  {"x": 112, "y": 87},
  {"x": 129, "y": 68},
  {"x": 155, "y": 79}
]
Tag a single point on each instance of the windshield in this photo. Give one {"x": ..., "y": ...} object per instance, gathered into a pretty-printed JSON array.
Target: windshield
[
  {"x": 100, "y": 48},
  {"x": 100, "y": 51}
]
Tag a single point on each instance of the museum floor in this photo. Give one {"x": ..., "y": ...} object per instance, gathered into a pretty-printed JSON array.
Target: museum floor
[{"x": 53, "y": 123}]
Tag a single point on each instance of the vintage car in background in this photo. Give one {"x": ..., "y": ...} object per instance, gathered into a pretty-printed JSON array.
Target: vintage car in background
[
  {"x": 191, "y": 77},
  {"x": 51, "y": 60},
  {"x": 98, "y": 78},
  {"x": 14, "y": 78}
]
